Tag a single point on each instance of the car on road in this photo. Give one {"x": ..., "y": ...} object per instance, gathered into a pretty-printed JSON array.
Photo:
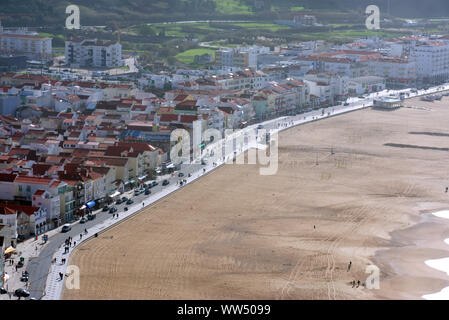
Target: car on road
[
  {"x": 105, "y": 208},
  {"x": 180, "y": 175},
  {"x": 84, "y": 220},
  {"x": 25, "y": 276},
  {"x": 147, "y": 192},
  {"x": 155, "y": 183},
  {"x": 165, "y": 182},
  {"x": 91, "y": 216},
  {"x": 137, "y": 192},
  {"x": 22, "y": 293},
  {"x": 346, "y": 104},
  {"x": 130, "y": 201},
  {"x": 66, "y": 228},
  {"x": 124, "y": 199},
  {"x": 112, "y": 210},
  {"x": 119, "y": 201}
]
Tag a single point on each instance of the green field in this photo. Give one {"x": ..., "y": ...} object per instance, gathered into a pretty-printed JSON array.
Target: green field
[
  {"x": 234, "y": 7},
  {"x": 261, "y": 26},
  {"x": 296, "y": 9},
  {"x": 187, "y": 57}
]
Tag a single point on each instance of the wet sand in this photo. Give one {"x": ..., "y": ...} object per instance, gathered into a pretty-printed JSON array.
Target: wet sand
[{"x": 235, "y": 234}]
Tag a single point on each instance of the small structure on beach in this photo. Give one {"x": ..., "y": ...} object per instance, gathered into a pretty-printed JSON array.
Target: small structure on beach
[{"x": 387, "y": 103}]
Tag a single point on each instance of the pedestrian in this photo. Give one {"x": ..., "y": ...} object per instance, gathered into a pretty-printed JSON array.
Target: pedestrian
[
  {"x": 314, "y": 227},
  {"x": 117, "y": 215},
  {"x": 85, "y": 231},
  {"x": 61, "y": 276},
  {"x": 74, "y": 243},
  {"x": 143, "y": 204},
  {"x": 96, "y": 235},
  {"x": 16, "y": 267},
  {"x": 81, "y": 236},
  {"x": 358, "y": 283},
  {"x": 349, "y": 266},
  {"x": 446, "y": 189}
]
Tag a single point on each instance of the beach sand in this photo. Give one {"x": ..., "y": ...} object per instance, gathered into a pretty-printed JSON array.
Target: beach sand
[{"x": 235, "y": 234}]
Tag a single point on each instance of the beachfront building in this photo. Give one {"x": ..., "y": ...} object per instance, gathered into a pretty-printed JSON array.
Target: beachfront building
[
  {"x": 367, "y": 84},
  {"x": 432, "y": 60},
  {"x": 398, "y": 72},
  {"x": 93, "y": 53},
  {"x": 387, "y": 103}
]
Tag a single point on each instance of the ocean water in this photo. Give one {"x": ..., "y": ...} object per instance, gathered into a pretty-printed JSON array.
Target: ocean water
[{"x": 439, "y": 264}]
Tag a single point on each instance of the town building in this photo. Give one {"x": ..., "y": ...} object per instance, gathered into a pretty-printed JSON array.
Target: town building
[{"x": 93, "y": 53}]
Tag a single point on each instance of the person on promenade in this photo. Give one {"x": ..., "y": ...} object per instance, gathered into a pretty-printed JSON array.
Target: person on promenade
[
  {"x": 74, "y": 243},
  {"x": 81, "y": 236},
  {"x": 85, "y": 231},
  {"x": 61, "y": 276}
]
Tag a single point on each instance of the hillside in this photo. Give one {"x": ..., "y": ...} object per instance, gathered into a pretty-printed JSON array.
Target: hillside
[{"x": 51, "y": 13}]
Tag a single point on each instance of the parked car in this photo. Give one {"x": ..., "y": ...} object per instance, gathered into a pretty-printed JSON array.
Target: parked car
[
  {"x": 3, "y": 291},
  {"x": 130, "y": 201},
  {"x": 112, "y": 210},
  {"x": 180, "y": 175},
  {"x": 66, "y": 228},
  {"x": 165, "y": 182},
  {"x": 119, "y": 201},
  {"x": 124, "y": 199},
  {"x": 22, "y": 293},
  {"x": 346, "y": 104},
  {"x": 105, "y": 208},
  {"x": 25, "y": 276},
  {"x": 91, "y": 216},
  {"x": 155, "y": 183},
  {"x": 147, "y": 192},
  {"x": 83, "y": 220}
]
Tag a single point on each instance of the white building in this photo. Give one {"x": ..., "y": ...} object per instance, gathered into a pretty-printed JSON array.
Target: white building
[
  {"x": 432, "y": 60},
  {"x": 93, "y": 53},
  {"x": 399, "y": 72},
  {"x": 50, "y": 203},
  {"x": 26, "y": 43},
  {"x": 368, "y": 84}
]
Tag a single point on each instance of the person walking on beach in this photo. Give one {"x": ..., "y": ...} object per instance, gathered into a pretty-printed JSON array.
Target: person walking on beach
[
  {"x": 358, "y": 283},
  {"x": 349, "y": 266},
  {"x": 446, "y": 189}
]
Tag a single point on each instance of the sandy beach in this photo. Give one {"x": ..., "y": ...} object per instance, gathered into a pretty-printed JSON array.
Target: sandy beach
[{"x": 235, "y": 234}]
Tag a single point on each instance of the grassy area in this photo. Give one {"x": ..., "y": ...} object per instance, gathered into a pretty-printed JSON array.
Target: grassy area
[
  {"x": 296, "y": 9},
  {"x": 234, "y": 7},
  {"x": 188, "y": 57},
  {"x": 261, "y": 26}
]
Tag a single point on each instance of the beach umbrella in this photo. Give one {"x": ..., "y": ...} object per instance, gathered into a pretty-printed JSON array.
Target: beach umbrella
[{"x": 9, "y": 250}]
